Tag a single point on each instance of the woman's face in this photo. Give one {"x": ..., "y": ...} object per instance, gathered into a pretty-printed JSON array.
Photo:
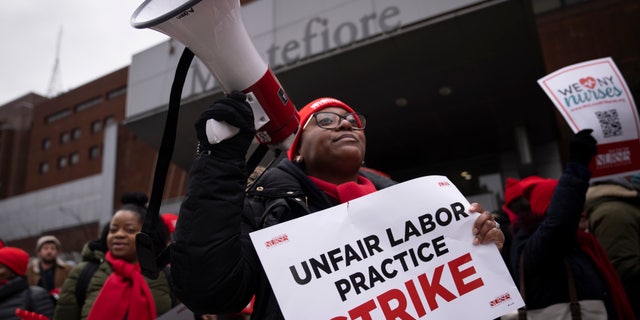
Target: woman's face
[
  {"x": 121, "y": 239},
  {"x": 5, "y": 272},
  {"x": 327, "y": 147}
]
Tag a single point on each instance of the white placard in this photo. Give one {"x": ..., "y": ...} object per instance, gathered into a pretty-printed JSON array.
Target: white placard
[
  {"x": 594, "y": 95},
  {"x": 402, "y": 252}
]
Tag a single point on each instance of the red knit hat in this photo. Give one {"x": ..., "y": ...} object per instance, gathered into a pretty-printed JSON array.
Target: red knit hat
[
  {"x": 540, "y": 195},
  {"x": 170, "y": 220},
  {"x": 15, "y": 259},
  {"x": 535, "y": 189},
  {"x": 307, "y": 111}
]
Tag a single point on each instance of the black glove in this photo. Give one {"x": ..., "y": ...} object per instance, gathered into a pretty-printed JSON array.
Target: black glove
[
  {"x": 234, "y": 110},
  {"x": 582, "y": 147}
]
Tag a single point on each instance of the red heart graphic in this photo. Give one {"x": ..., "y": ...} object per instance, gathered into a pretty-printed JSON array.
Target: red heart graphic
[{"x": 588, "y": 82}]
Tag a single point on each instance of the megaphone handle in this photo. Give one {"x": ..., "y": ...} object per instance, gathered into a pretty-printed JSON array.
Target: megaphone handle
[
  {"x": 218, "y": 131},
  {"x": 146, "y": 248}
]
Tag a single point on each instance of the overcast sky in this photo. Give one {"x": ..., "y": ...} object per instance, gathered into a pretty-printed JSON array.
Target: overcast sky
[{"x": 96, "y": 39}]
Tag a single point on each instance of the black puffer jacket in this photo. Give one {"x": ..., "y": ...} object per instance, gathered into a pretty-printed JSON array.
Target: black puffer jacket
[
  {"x": 213, "y": 262},
  {"x": 17, "y": 293}
]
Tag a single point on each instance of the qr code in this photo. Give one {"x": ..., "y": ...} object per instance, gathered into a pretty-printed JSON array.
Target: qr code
[{"x": 610, "y": 123}]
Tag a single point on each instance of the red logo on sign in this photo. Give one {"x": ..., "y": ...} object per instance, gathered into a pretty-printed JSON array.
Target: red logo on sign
[
  {"x": 588, "y": 82},
  {"x": 500, "y": 299},
  {"x": 276, "y": 240}
]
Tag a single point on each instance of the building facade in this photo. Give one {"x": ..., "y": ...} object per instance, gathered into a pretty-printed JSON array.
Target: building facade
[
  {"x": 15, "y": 129},
  {"x": 450, "y": 87},
  {"x": 77, "y": 160}
]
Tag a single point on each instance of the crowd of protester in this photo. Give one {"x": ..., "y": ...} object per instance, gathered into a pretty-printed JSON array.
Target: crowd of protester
[
  {"x": 547, "y": 230},
  {"x": 106, "y": 284}
]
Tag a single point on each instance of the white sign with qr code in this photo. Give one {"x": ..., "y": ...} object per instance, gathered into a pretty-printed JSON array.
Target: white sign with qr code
[{"x": 594, "y": 95}]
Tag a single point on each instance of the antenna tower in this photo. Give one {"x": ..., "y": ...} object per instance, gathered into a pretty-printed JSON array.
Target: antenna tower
[{"x": 54, "y": 83}]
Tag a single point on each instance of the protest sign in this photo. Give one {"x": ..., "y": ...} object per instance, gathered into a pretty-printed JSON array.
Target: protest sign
[
  {"x": 594, "y": 95},
  {"x": 404, "y": 252}
]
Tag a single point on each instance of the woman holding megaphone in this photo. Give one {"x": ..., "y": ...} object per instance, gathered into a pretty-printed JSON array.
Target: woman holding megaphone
[{"x": 214, "y": 265}]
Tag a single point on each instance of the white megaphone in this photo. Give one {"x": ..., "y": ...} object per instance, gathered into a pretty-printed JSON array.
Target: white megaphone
[{"x": 213, "y": 30}]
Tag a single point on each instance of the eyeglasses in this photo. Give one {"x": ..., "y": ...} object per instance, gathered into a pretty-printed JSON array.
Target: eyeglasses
[{"x": 332, "y": 120}]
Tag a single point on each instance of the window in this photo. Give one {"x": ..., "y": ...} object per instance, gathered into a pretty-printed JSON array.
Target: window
[
  {"x": 64, "y": 137},
  {"x": 57, "y": 116},
  {"x": 46, "y": 144},
  {"x": 109, "y": 120},
  {"x": 94, "y": 152},
  {"x": 116, "y": 93},
  {"x": 44, "y": 168},
  {"x": 96, "y": 126},
  {"x": 74, "y": 158},
  {"x": 75, "y": 134},
  {"x": 62, "y": 162},
  {"x": 88, "y": 104}
]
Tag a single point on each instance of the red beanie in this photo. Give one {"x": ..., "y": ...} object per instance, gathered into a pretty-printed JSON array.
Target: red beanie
[
  {"x": 540, "y": 195},
  {"x": 170, "y": 220},
  {"x": 15, "y": 259},
  {"x": 512, "y": 190},
  {"x": 524, "y": 188},
  {"x": 307, "y": 111}
]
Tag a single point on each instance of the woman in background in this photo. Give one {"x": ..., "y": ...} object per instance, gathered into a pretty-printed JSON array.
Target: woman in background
[{"x": 117, "y": 289}]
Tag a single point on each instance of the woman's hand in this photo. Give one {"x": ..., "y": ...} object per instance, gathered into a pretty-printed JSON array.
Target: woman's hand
[{"x": 485, "y": 228}]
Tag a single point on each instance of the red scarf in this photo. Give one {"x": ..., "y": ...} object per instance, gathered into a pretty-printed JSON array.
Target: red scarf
[
  {"x": 347, "y": 191},
  {"x": 589, "y": 244},
  {"x": 125, "y": 294}
]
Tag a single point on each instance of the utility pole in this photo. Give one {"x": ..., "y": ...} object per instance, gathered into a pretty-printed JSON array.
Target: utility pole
[{"x": 54, "y": 83}]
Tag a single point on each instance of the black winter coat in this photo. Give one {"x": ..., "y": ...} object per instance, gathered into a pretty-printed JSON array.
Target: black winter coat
[
  {"x": 214, "y": 264},
  {"x": 18, "y": 294},
  {"x": 555, "y": 240}
]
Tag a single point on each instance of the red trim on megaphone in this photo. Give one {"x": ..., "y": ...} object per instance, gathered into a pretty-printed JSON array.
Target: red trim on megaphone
[{"x": 283, "y": 116}]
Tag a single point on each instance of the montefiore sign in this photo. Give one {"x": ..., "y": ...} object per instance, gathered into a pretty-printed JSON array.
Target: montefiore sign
[
  {"x": 286, "y": 33},
  {"x": 320, "y": 34},
  {"x": 297, "y": 30},
  {"x": 594, "y": 95}
]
